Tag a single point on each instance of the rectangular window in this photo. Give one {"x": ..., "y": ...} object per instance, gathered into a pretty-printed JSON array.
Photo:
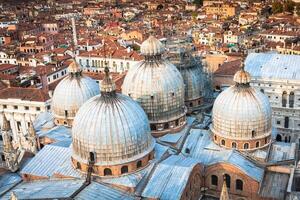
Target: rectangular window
[
  {"x": 19, "y": 126},
  {"x": 26, "y": 108},
  {"x": 278, "y": 122},
  {"x": 15, "y": 107},
  {"x": 4, "y": 106},
  {"x": 286, "y": 122},
  {"x": 38, "y": 108}
]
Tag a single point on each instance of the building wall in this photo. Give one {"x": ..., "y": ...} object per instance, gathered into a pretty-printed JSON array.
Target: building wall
[
  {"x": 250, "y": 186},
  {"x": 6, "y": 59},
  {"x": 222, "y": 10},
  {"x": 96, "y": 64},
  {"x": 20, "y": 114},
  {"x": 285, "y": 118}
]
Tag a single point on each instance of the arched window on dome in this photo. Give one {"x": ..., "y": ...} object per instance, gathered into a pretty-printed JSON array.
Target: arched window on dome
[
  {"x": 166, "y": 125},
  {"x": 78, "y": 165},
  {"x": 233, "y": 145},
  {"x": 124, "y": 169},
  {"x": 152, "y": 127},
  {"x": 149, "y": 157},
  {"x": 284, "y": 99},
  {"x": 223, "y": 142},
  {"x": 257, "y": 144},
  {"x": 107, "y": 172},
  {"x": 239, "y": 184},
  {"x": 253, "y": 133},
  {"x": 214, "y": 180},
  {"x": 92, "y": 157},
  {"x": 291, "y": 99},
  {"x": 215, "y": 137},
  {"x": 262, "y": 90},
  {"x": 227, "y": 178},
  {"x": 139, "y": 164},
  {"x": 246, "y": 146}
]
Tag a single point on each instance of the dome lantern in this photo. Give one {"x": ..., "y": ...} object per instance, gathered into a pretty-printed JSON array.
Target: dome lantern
[
  {"x": 242, "y": 77},
  {"x": 152, "y": 48},
  {"x": 74, "y": 69},
  {"x": 108, "y": 86}
]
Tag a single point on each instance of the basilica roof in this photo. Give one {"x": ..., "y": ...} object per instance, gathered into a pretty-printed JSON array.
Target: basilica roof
[{"x": 273, "y": 66}]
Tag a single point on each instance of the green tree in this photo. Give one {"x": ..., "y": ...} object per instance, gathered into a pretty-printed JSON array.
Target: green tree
[
  {"x": 289, "y": 6},
  {"x": 277, "y": 7},
  {"x": 198, "y": 2}
]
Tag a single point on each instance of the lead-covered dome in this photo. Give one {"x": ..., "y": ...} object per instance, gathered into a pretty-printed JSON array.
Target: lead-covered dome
[
  {"x": 158, "y": 86},
  {"x": 193, "y": 78},
  {"x": 242, "y": 116},
  {"x": 71, "y": 93},
  {"x": 113, "y": 130}
]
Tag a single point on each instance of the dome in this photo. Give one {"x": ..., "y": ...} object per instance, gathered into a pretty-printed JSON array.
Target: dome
[
  {"x": 193, "y": 78},
  {"x": 71, "y": 93},
  {"x": 158, "y": 86},
  {"x": 242, "y": 116},
  {"x": 152, "y": 47},
  {"x": 115, "y": 129}
]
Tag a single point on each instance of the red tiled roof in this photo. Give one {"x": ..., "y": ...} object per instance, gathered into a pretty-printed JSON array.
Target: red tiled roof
[{"x": 26, "y": 94}]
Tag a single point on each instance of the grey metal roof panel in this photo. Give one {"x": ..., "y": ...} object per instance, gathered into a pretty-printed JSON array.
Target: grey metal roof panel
[
  {"x": 7, "y": 181},
  {"x": 47, "y": 161},
  {"x": 45, "y": 189},
  {"x": 99, "y": 191},
  {"x": 57, "y": 133},
  {"x": 281, "y": 151},
  {"x": 273, "y": 66},
  {"x": 170, "y": 178}
]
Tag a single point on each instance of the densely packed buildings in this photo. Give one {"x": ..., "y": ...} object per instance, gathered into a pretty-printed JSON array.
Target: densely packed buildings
[{"x": 142, "y": 99}]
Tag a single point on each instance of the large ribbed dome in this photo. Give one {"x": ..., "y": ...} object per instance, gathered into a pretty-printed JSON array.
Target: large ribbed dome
[
  {"x": 71, "y": 93},
  {"x": 193, "y": 78},
  {"x": 242, "y": 113},
  {"x": 158, "y": 86},
  {"x": 114, "y": 128}
]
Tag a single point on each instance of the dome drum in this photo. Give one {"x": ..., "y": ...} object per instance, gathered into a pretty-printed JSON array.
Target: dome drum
[
  {"x": 194, "y": 104},
  {"x": 160, "y": 129},
  {"x": 117, "y": 169},
  {"x": 63, "y": 121},
  {"x": 243, "y": 145}
]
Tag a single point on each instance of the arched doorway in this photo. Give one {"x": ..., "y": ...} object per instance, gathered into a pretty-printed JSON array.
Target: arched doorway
[{"x": 278, "y": 138}]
